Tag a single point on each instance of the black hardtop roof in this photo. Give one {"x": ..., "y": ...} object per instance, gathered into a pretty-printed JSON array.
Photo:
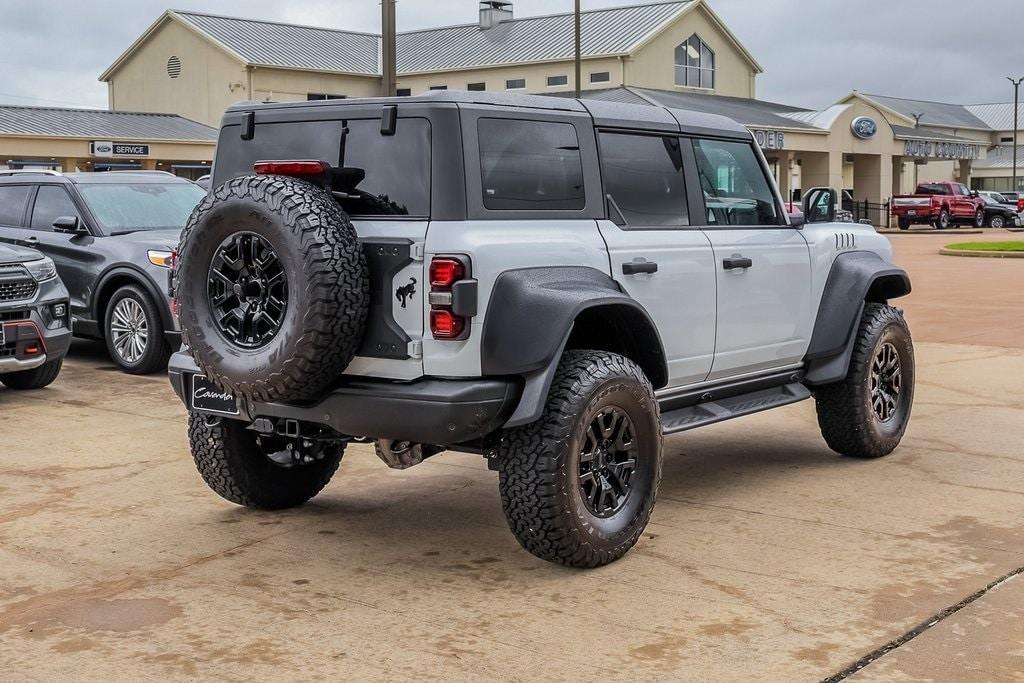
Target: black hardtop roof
[{"x": 605, "y": 114}]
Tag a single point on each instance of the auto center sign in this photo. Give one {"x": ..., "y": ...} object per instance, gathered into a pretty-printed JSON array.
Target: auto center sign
[
  {"x": 769, "y": 139},
  {"x": 103, "y": 148},
  {"x": 924, "y": 149}
]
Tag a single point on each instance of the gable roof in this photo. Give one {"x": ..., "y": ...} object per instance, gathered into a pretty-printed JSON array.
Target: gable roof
[
  {"x": 99, "y": 124},
  {"x": 940, "y": 114},
  {"x": 998, "y": 116},
  {"x": 606, "y": 32}
]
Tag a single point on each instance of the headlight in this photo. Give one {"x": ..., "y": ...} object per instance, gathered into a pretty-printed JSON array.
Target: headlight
[
  {"x": 160, "y": 258},
  {"x": 41, "y": 270}
]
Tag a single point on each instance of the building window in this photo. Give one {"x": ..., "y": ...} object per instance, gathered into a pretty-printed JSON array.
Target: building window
[
  {"x": 1006, "y": 139},
  {"x": 316, "y": 96},
  {"x": 555, "y": 81},
  {"x": 404, "y": 92},
  {"x": 476, "y": 87},
  {"x": 439, "y": 87},
  {"x": 174, "y": 66},
  {"x": 600, "y": 77},
  {"x": 515, "y": 84},
  {"x": 695, "y": 64}
]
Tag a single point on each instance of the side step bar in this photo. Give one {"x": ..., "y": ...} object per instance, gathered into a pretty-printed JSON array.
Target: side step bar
[{"x": 710, "y": 412}]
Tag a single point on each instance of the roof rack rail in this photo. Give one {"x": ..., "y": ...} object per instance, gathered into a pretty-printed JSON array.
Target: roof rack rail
[
  {"x": 141, "y": 170},
  {"x": 29, "y": 171}
]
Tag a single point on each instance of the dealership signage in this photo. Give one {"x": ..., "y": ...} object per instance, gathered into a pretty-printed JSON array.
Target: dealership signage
[
  {"x": 102, "y": 148},
  {"x": 864, "y": 127},
  {"x": 924, "y": 149},
  {"x": 770, "y": 139}
]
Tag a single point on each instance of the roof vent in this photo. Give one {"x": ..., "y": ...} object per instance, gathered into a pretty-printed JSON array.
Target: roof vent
[
  {"x": 174, "y": 67},
  {"x": 494, "y": 12}
]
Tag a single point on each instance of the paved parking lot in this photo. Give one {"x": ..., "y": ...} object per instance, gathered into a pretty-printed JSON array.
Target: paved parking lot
[{"x": 767, "y": 557}]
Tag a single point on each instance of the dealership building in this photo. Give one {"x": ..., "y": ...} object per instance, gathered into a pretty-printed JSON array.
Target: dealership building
[{"x": 680, "y": 53}]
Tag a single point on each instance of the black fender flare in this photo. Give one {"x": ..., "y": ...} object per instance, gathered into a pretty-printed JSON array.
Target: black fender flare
[
  {"x": 530, "y": 316},
  {"x": 856, "y": 278},
  {"x": 139, "y": 277}
]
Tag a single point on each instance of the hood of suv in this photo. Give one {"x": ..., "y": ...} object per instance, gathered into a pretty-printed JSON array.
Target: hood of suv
[
  {"x": 12, "y": 254},
  {"x": 150, "y": 239}
]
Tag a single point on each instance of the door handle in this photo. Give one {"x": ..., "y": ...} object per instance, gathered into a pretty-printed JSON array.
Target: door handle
[
  {"x": 637, "y": 267},
  {"x": 734, "y": 263}
]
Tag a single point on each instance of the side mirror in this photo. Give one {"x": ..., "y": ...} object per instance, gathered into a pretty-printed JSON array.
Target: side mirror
[
  {"x": 70, "y": 224},
  {"x": 820, "y": 205},
  {"x": 974, "y": 193}
]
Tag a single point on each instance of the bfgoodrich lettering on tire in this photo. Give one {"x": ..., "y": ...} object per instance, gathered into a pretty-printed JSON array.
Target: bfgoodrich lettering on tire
[
  {"x": 578, "y": 486},
  {"x": 273, "y": 288},
  {"x": 866, "y": 414}
]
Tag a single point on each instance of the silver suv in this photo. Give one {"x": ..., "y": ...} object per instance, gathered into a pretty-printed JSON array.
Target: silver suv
[{"x": 551, "y": 283}]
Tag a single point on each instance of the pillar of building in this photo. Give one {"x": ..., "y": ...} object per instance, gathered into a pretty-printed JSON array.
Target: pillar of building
[
  {"x": 872, "y": 177},
  {"x": 149, "y": 164},
  {"x": 785, "y": 175},
  {"x": 898, "y": 180},
  {"x": 964, "y": 172},
  {"x": 69, "y": 164},
  {"x": 821, "y": 169}
]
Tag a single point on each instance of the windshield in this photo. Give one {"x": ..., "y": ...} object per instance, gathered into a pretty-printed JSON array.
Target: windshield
[
  {"x": 144, "y": 206},
  {"x": 989, "y": 200}
]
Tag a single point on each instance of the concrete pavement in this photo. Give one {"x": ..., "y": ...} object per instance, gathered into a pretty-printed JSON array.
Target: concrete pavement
[{"x": 767, "y": 557}]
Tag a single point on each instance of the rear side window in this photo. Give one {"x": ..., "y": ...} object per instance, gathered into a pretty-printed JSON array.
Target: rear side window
[
  {"x": 736, "y": 190},
  {"x": 643, "y": 179},
  {"x": 12, "y": 204},
  {"x": 395, "y": 169},
  {"x": 530, "y": 166},
  {"x": 52, "y": 202}
]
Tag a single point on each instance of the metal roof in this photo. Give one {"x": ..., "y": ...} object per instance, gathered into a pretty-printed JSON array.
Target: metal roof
[
  {"x": 1001, "y": 156},
  {"x": 612, "y": 31},
  {"x": 935, "y": 113},
  {"x": 925, "y": 133},
  {"x": 290, "y": 46},
  {"x": 997, "y": 116},
  {"x": 749, "y": 112},
  {"x": 98, "y": 124}
]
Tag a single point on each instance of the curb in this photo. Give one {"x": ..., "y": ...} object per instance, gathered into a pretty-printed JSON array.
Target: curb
[
  {"x": 933, "y": 231},
  {"x": 982, "y": 254}
]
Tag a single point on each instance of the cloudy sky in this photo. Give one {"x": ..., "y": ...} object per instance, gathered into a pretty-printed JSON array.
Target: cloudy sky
[{"x": 813, "y": 51}]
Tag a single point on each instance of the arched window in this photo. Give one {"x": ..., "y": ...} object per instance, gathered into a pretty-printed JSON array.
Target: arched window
[{"x": 695, "y": 64}]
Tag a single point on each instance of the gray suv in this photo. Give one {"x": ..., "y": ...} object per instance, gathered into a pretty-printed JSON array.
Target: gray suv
[{"x": 111, "y": 236}]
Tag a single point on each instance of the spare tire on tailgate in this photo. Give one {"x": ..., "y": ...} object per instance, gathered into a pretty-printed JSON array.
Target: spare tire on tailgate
[{"x": 273, "y": 288}]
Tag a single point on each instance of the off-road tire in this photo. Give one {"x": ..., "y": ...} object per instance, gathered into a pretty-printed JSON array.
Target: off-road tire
[
  {"x": 36, "y": 378},
  {"x": 944, "y": 220},
  {"x": 539, "y": 463},
  {"x": 996, "y": 221},
  {"x": 158, "y": 351},
  {"x": 327, "y": 287},
  {"x": 845, "y": 414},
  {"x": 231, "y": 463}
]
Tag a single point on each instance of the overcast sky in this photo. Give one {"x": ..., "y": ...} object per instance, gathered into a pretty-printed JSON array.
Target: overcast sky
[{"x": 813, "y": 51}]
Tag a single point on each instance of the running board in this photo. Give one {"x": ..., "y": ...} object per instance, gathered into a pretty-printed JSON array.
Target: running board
[{"x": 710, "y": 412}]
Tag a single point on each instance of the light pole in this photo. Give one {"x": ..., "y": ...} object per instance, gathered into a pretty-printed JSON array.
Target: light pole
[
  {"x": 1016, "y": 125},
  {"x": 579, "y": 51},
  {"x": 388, "y": 48}
]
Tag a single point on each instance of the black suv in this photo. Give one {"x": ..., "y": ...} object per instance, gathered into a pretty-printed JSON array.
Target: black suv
[
  {"x": 35, "y": 328},
  {"x": 111, "y": 236}
]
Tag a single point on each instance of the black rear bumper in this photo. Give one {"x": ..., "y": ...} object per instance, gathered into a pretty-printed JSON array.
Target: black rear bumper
[{"x": 439, "y": 412}]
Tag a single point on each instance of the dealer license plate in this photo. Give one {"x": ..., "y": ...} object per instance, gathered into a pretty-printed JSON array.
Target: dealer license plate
[{"x": 209, "y": 398}]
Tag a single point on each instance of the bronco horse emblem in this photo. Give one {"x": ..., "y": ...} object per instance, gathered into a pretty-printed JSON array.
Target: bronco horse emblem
[{"x": 404, "y": 292}]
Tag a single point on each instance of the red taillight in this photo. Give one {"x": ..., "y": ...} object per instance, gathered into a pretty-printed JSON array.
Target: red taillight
[
  {"x": 446, "y": 325},
  {"x": 445, "y": 272},
  {"x": 292, "y": 168}
]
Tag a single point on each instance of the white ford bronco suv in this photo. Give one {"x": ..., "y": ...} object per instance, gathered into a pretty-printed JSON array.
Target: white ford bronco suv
[{"x": 549, "y": 282}]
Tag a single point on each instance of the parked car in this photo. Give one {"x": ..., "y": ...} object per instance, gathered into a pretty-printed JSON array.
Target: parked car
[
  {"x": 111, "y": 236},
  {"x": 203, "y": 181},
  {"x": 940, "y": 204},
  {"x": 506, "y": 276},
  {"x": 997, "y": 197},
  {"x": 998, "y": 214},
  {"x": 35, "y": 323}
]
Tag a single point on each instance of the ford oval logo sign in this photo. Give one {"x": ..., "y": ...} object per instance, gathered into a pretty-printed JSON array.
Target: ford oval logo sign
[{"x": 864, "y": 127}]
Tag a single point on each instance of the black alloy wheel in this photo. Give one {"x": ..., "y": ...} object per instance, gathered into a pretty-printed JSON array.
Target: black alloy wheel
[
  {"x": 248, "y": 290},
  {"x": 607, "y": 462}
]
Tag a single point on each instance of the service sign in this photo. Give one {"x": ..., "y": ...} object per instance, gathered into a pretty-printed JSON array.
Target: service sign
[
  {"x": 925, "y": 149},
  {"x": 102, "y": 148},
  {"x": 770, "y": 139}
]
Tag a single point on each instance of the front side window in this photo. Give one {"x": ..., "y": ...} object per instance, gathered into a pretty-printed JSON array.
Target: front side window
[
  {"x": 130, "y": 207},
  {"x": 12, "y": 204},
  {"x": 643, "y": 180},
  {"x": 695, "y": 64},
  {"x": 52, "y": 202},
  {"x": 530, "y": 166},
  {"x": 736, "y": 190}
]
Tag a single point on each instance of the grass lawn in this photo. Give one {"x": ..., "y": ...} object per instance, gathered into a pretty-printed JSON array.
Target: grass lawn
[{"x": 1017, "y": 245}]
